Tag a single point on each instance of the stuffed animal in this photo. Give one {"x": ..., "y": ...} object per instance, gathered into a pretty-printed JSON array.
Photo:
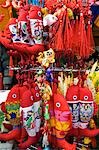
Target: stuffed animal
[
  {"x": 60, "y": 122},
  {"x": 11, "y": 109},
  {"x": 25, "y": 34},
  {"x": 49, "y": 19},
  {"x": 30, "y": 111},
  {"x": 46, "y": 58},
  {"x": 81, "y": 104},
  {"x": 23, "y": 110}
]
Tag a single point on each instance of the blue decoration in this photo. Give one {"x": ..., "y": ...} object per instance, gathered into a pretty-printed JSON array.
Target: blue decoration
[
  {"x": 95, "y": 11},
  {"x": 49, "y": 76},
  {"x": 36, "y": 2},
  {"x": 47, "y": 148}
]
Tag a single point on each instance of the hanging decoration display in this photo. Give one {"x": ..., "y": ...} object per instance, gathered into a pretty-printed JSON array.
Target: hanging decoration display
[{"x": 50, "y": 107}]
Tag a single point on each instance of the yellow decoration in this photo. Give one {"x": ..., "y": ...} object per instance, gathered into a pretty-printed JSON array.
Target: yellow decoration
[
  {"x": 46, "y": 58},
  {"x": 46, "y": 91},
  {"x": 96, "y": 79},
  {"x": 87, "y": 140},
  {"x": 96, "y": 22},
  {"x": 83, "y": 148},
  {"x": 7, "y": 12},
  {"x": 97, "y": 98},
  {"x": 44, "y": 11},
  {"x": 60, "y": 125},
  {"x": 63, "y": 83},
  {"x": 58, "y": 133},
  {"x": 70, "y": 13},
  {"x": 92, "y": 124}
]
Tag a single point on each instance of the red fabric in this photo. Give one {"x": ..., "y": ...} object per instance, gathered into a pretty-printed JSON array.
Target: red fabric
[
  {"x": 67, "y": 34},
  {"x": 11, "y": 73},
  {"x": 85, "y": 92},
  {"x": 90, "y": 39},
  {"x": 34, "y": 12},
  {"x": 12, "y": 135},
  {"x": 3, "y": 107},
  {"x": 23, "y": 14},
  {"x": 28, "y": 142},
  {"x": 8, "y": 126},
  {"x": 27, "y": 99},
  {"x": 36, "y": 93},
  {"x": 23, "y": 135},
  {"x": 7, "y": 32},
  {"x": 58, "y": 98},
  {"x": 88, "y": 132},
  {"x": 84, "y": 51},
  {"x": 75, "y": 40},
  {"x": 95, "y": 108},
  {"x": 61, "y": 143},
  {"x": 59, "y": 46},
  {"x": 13, "y": 95},
  {"x": 72, "y": 91}
]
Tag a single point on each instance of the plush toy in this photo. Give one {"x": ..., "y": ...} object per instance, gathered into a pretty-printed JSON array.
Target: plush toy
[
  {"x": 81, "y": 104},
  {"x": 49, "y": 19},
  {"x": 60, "y": 122},
  {"x": 36, "y": 26},
  {"x": 11, "y": 109},
  {"x": 31, "y": 117},
  {"x": 23, "y": 110},
  {"x": 25, "y": 34},
  {"x": 46, "y": 58},
  {"x": 28, "y": 119}
]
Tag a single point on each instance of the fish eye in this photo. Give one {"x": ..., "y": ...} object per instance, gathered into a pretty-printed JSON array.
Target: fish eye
[
  {"x": 14, "y": 95},
  {"x": 85, "y": 97},
  {"x": 39, "y": 13},
  {"x": 36, "y": 88},
  {"x": 37, "y": 94},
  {"x": 58, "y": 104},
  {"x": 74, "y": 97},
  {"x": 32, "y": 98}
]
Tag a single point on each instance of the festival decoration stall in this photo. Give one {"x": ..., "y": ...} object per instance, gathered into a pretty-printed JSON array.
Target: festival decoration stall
[{"x": 54, "y": 102}]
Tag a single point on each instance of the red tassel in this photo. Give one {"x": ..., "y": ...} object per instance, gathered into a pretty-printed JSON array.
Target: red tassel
[
  {"x": 83, "y": 38},
  {"x": 11, "y": 64},
  {"x": 59, "y": 35},
  {"x": 75, "y": 39},
  {"x": 90, "y": 40},
  {"x": 67, "y": 34}
]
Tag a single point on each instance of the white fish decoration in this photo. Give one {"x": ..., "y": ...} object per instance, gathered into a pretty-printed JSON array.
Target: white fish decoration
[{"x": 49, "y": 19}]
